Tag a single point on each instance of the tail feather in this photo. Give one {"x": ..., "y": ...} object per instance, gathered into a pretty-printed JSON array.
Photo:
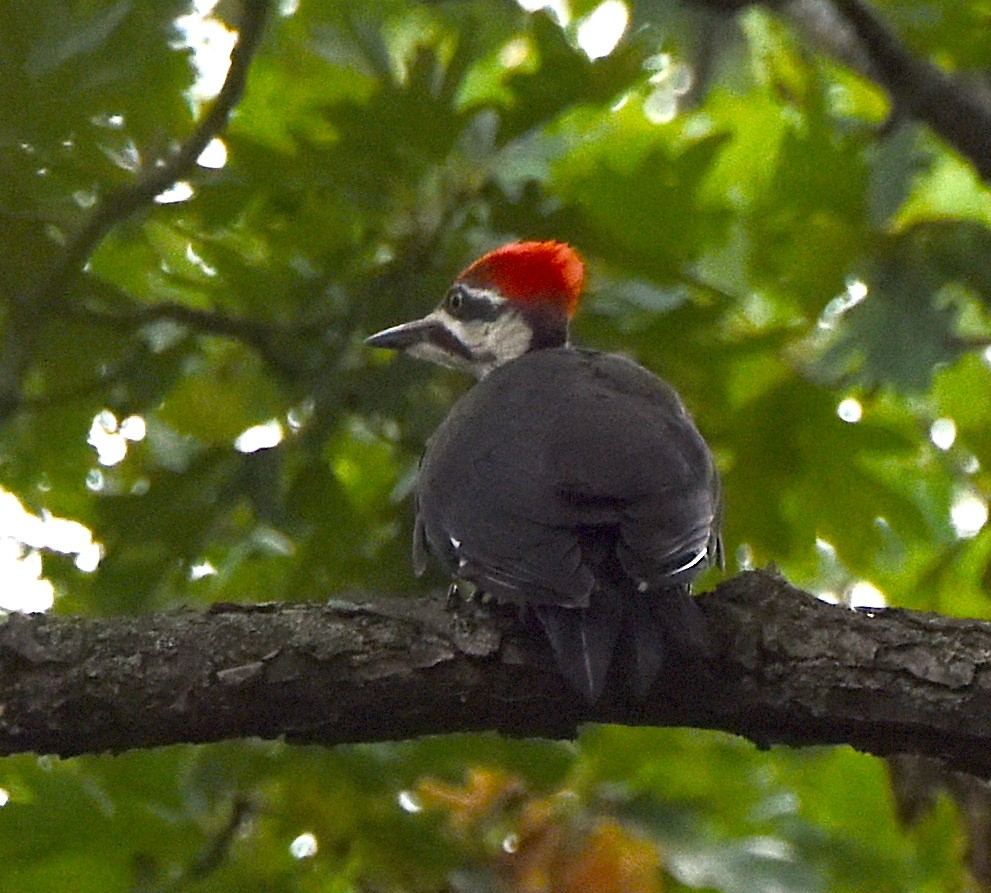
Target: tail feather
[
  {"x": 647, "y": 646},
  {"x": 648, "y": 628},
  {"x": 663, "y": 626},
  {"x": 583, "y": 640}
]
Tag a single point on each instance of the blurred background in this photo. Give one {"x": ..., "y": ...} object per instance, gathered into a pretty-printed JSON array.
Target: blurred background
[{"x": 188, "y": 413}]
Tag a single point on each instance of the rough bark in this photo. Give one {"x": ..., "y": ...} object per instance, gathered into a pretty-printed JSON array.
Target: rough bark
[{"x": 788, "y": 669}]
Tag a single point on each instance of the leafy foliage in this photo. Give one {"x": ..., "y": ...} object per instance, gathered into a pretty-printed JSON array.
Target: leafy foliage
[{"x": 378, "y": 148}]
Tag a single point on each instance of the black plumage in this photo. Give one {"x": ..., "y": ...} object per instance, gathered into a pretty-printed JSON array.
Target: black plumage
[
  {"x": 569, "y": 482},
  {"x": 575, "y": 483}
]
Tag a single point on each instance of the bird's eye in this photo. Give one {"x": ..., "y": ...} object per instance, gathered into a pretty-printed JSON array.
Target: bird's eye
[{"x": 455, "y": 299}]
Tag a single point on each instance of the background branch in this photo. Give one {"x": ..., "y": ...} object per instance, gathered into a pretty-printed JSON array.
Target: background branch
[
  {"x": 276, "y": 343},
  {"x": 790, "y": 669},
  {"x": 957, "y": 109},
  {"x": 118, "y": 205},
  {"x": 22, "y": 326}
]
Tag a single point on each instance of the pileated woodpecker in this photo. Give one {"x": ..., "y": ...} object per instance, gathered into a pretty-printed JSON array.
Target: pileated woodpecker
[{"x": 570, "y": 482}]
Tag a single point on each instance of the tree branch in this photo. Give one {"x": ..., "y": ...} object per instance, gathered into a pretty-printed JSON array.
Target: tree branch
[
  {"x": 955, "y": 108},
  {"x": 120, "y": 204},
  {"x": 789, "y": 669},
  {"x": 277, "y": 344},
  {"x": 22, "y": 325}
]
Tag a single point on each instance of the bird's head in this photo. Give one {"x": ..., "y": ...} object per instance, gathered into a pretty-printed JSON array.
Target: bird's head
[{"x": 517, "y": 298}]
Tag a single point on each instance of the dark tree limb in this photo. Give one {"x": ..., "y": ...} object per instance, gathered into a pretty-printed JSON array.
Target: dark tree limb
[
  {"x": 118, "y": 205},
  {"x": 957, "y": 109},
  {"x": 277, "y": 344},
  {"x": 49, "y": 294},
  {"x": 789, "y": 669}
]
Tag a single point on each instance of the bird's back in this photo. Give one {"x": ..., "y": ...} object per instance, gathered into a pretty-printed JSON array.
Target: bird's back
[{"x": 577, "y": 483}]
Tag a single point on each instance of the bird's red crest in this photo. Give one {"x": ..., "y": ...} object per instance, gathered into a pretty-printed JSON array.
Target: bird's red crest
[{"x": 542, "y": 272}]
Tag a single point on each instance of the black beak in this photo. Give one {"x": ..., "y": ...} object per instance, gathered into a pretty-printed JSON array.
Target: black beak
[
  {"x": 404, "y": 336},
  {"x": 428, "y": 330}
]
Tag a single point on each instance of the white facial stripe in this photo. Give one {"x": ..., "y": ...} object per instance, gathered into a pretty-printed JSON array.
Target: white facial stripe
[
  {"x": 433, "y": 354},
  {"x": 510, "y": 336},
  {"x": 488, "y": 294},
  {"x": 492, "y": 342}
]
